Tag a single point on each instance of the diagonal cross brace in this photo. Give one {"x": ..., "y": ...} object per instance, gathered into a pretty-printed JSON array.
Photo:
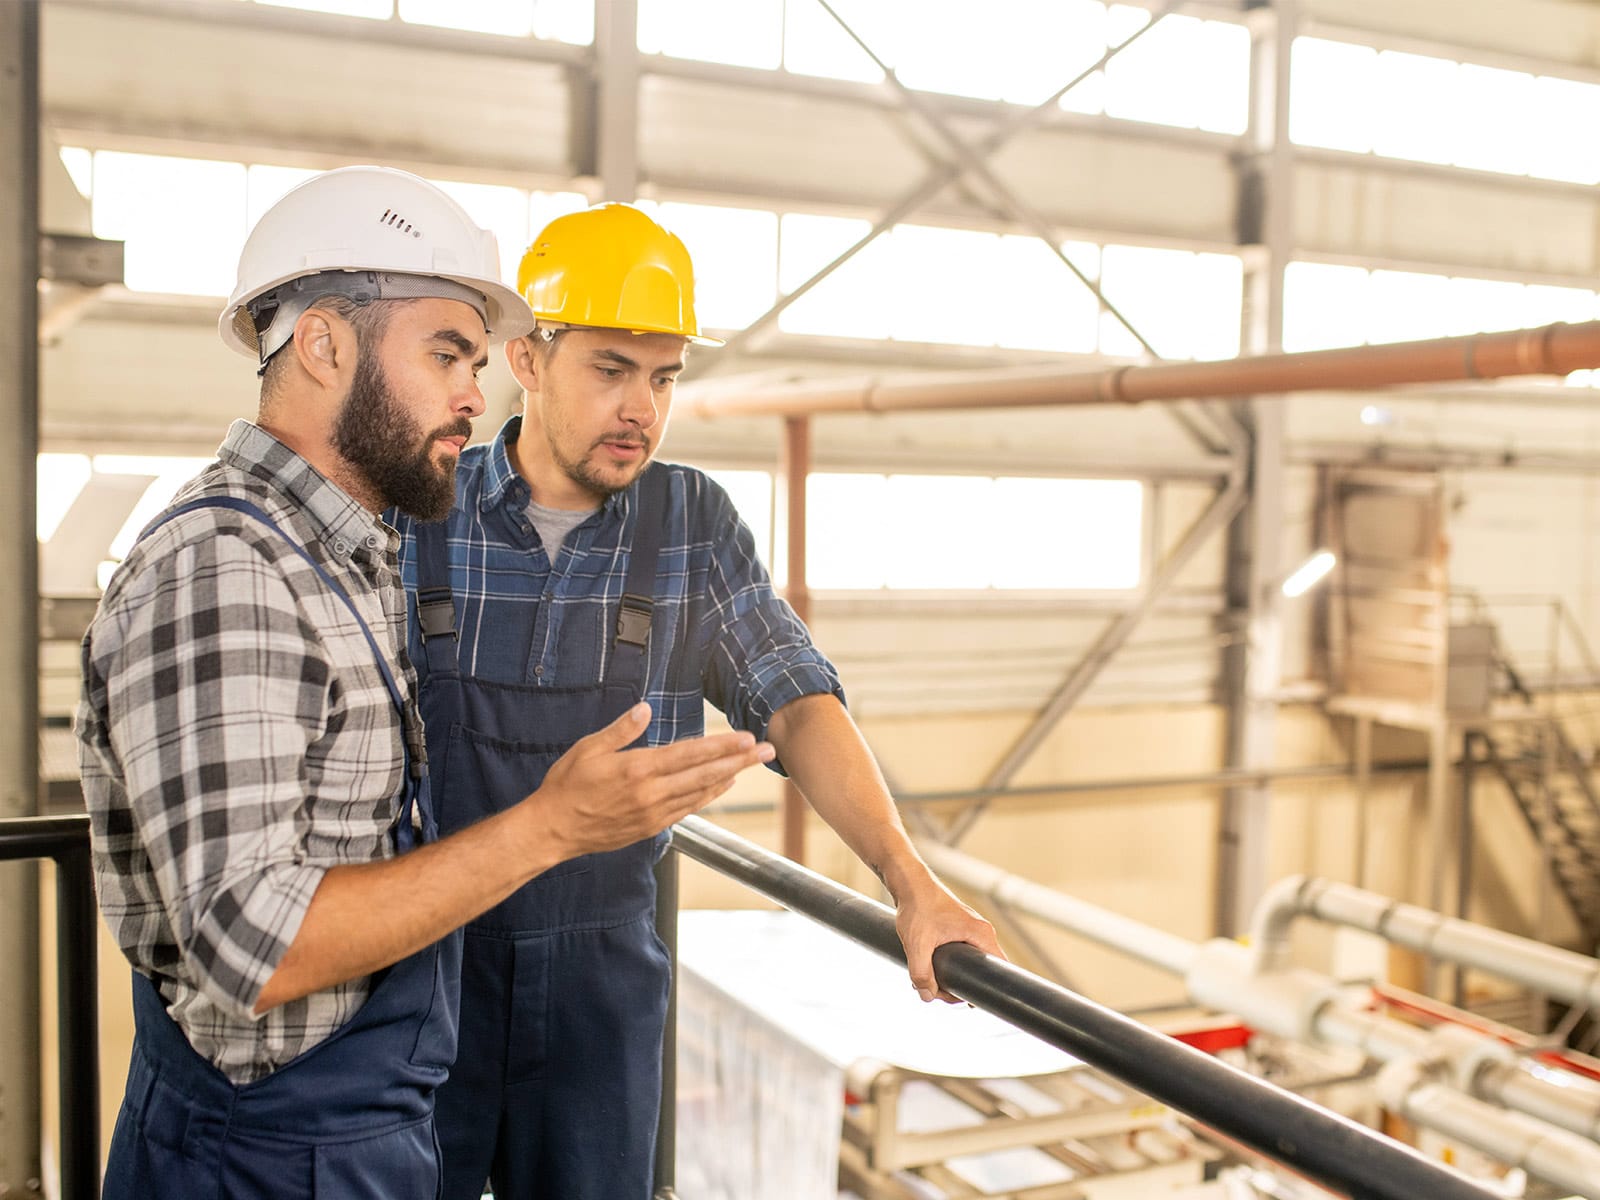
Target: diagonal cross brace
[{"x": 932, "y": 183}]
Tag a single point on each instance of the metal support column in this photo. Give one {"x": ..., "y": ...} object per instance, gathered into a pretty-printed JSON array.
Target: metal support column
[
  {"x": 1441, "y": 835},
  {"x": 1363, "y": 796},
  {"x": 20, "y": 1166},
  {"x": 616, "y": 44},
  {"x": 1465, "y": 850},
  {"x": 1251, "y": 668}
]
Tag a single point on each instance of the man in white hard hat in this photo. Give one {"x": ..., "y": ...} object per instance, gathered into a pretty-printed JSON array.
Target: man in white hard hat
[
  {"x": 264, "y": 842},
  {"x": 572, "y": 580}
]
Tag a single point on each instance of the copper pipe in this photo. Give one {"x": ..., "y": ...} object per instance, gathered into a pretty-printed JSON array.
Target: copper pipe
[
  {"x": 796, "y": 470},
  {"x": 1548, "y": 350}
]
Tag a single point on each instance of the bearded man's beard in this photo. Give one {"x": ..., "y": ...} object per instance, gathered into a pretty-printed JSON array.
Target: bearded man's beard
[{"x": 374, "y": 434}]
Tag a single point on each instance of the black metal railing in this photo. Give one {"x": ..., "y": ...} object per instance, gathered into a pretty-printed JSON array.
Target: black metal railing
[
  {"x": 1319, "y": 1144},
  {"x": 1330, "y": 1149},
  {"x": 66, "y": 840}
]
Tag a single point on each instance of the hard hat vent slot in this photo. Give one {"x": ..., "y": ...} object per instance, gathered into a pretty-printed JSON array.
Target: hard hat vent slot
[{"x": 394, "y": 220}]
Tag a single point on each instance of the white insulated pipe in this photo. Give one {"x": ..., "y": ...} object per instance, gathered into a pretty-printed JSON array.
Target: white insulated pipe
[
  {"x": 1553, "y": 1141},
  {"x": 1564, "y": 974},
  {"x": 1549, "y": 1154},
  {"x": 1307, "y": 1007},
  {"x": 1133, "y": 938}
]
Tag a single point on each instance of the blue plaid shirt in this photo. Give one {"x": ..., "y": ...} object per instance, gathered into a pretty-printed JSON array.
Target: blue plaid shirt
[{"x": 720, "y": 632}]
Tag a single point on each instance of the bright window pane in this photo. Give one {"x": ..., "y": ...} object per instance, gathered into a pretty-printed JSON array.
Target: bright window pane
[
  {"x": 735, "y": 253},
  {"x": 1185, "y": 305},
  {"x": 1494, "y": 113},
  {"x": 844, "y": 548},
  {"x": 815, "y": 44},
  {"x": 1041, "y": 61},
  {"x": 1083, "y": 43},
  {"x": 955, "y": 532},
  {"x": 570, "y": 21},
  {"x": 377, "y": 9},
  {"x": 1184, "y": 72},
  {"x": 1013, "y": 53},
  {"x": 1544, "y": 305},
  {"x": 1406, "y": 307},
  {"x": 189, "y": 247},
  {"x": 1485, "y": 305},
  {"x": 1066, "y": 533},
  {"x": 1221, "y": 102},
  {"x": 501, "y": 210},
  {"x": 932, "y": 270},
  {"x": 1418, "y": 97},
  {"x": 751, "y": 493},
  {"x": 1216, "y": 289},
  {"x": 169, "y": 474},
  {"x": 1040, "y": 304},
  {"x": 742, "y": 33},
  {"x": 1560, "y": 139},
  {"x": 80, "y": 167},
  {"x": 1331, "y": 88},
  {"x": 512, "y": 17},
  {"x": 61, "y": 478},
  {"x": 941, "y": 529},
  {"x": 1324, "y": 306},
  {"x": 851, "y": 302}
]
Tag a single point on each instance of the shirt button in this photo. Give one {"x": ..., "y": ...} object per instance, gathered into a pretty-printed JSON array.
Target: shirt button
[
  {"x": 372, "y": 541},
  {"x": 341, "y": 547},
  {"x": 538, "y": 671}
]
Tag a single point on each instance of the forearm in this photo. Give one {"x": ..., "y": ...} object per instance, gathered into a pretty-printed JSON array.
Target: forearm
[
  {"x": 365, "y": 916},
  {"x": 829, "y": 761}
]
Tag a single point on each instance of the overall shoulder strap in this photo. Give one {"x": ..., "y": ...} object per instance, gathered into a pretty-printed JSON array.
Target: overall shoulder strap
[
  {"x": 436, "y": 604},
  {"x": 630, "y": 646}
]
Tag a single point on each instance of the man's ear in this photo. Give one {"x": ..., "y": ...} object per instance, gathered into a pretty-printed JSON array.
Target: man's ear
[
  {"x": 325, "y": 346},
  {"x": 524, "y": 362}
]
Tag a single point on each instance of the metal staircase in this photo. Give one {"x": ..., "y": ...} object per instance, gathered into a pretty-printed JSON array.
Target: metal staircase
[{"x": 1552, "y": 783}]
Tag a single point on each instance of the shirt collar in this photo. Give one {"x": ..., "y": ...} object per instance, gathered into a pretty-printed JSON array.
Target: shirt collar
[
  {"x": 502, "y": 484},
  {"x": 341, "y": 524}
]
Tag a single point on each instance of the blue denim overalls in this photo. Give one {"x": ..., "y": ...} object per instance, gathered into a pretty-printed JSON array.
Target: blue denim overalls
[
  {"x": 352, "y": 1117},
  {"x": 557, "y": 1086}
]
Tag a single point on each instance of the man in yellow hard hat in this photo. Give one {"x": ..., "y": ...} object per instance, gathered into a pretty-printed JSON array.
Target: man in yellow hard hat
[
  {"x": 576, "y": 576},
  {"x": 264, "y": 847}
]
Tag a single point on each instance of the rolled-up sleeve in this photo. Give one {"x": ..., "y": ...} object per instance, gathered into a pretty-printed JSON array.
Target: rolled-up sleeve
[
  {"x": 214, "y": 687},
  {"x": 758, "y": 654}
]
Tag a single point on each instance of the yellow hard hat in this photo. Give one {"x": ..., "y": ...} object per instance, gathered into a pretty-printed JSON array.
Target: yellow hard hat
[{"x": 611, "y": 267}]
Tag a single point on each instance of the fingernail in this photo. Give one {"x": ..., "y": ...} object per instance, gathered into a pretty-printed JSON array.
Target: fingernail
[{"x": 766, "y": 753}]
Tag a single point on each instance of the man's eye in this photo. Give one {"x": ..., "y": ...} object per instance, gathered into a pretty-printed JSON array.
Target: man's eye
[
  {"x": 610, "y": 372},
  {"x": 444, "y": 358}
]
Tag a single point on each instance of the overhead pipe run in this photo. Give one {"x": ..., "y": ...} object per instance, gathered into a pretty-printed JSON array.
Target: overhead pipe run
[
  {"x": 1548, "y": 350},
  {"x": 1557, "y": 1119}
]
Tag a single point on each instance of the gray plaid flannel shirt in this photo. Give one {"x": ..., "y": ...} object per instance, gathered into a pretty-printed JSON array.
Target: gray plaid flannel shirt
[{"x": 236, "y": 740}]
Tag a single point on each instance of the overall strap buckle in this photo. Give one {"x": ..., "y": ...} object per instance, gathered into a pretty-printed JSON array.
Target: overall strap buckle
[
  {"x": 633, "y": 619},
  {"x": 436, "y": 612}
]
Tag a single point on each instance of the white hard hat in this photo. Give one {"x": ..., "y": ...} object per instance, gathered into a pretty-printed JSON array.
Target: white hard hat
[{"x": 369, "y": 233}]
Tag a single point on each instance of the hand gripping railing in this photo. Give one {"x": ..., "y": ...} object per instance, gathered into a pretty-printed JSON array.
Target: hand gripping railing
[
  {"x": 66, "y": 840},
  {"x": 1330, "y": 1149}
]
